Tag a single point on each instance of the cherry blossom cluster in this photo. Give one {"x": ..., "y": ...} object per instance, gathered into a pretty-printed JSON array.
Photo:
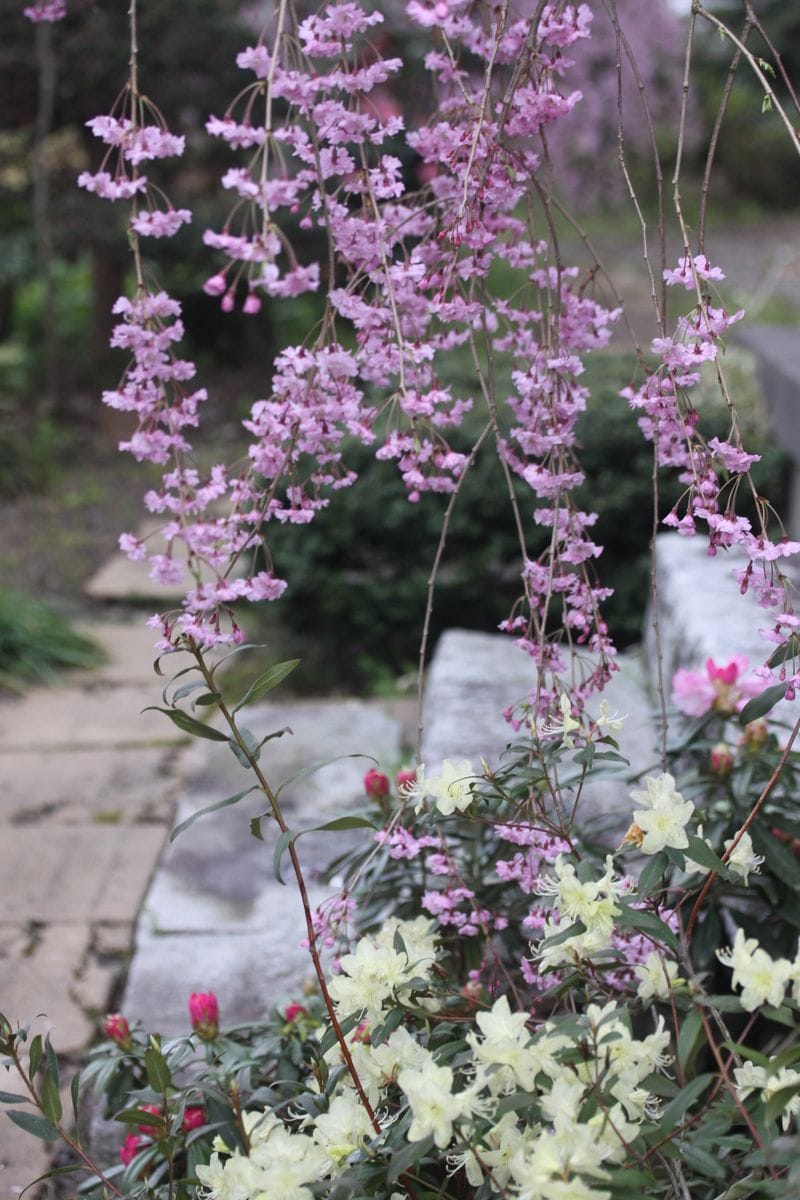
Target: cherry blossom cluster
[
  {"x": 711, "y": 470},
  {"x": 47, "y": 11}
]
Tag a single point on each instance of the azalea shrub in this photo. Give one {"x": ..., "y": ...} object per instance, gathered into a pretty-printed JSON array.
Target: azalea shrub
[{"x": 506, "y": 999}]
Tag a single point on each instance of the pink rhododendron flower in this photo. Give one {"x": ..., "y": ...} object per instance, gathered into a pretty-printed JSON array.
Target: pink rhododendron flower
[
  {"x": 293, "y": 1011},
  {"x": 722, "y": 689},
  {"x": 204, "y": 1014}
]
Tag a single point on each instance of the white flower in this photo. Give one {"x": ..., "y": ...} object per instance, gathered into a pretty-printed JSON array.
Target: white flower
[
  {"x": 565, "y": 727},
  {"x": 450, "y": 790},
  {"x": 662, "y": 822},
  {"x": 343, "y": 1128},
  {"x": 762, "y": 979},
  {"x": 434, "y": 1108},
  {"x": 743, "y": 859},
  {"x": 656, "y": 975}
]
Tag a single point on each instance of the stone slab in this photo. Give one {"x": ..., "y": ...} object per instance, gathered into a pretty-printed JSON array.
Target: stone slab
[
  {"x": 91, "y": 716},
  {"x": 39, "y": 978},
  {"x": 249, "y": 972},
  {"x": 702, "y": 612},
  {"x": 76, "y": 873},
  {"x": 471, "y": 679},
  {"x": 76, "y": 786},
  {"x": 216, "y": 875},
  {"x": 130, "y": 652}
]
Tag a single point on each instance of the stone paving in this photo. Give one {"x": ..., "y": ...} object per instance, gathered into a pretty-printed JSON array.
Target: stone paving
[{"x": 86, "y": 785}]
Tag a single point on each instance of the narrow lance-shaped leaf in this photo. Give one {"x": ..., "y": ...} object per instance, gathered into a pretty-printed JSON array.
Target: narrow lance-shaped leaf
[
  {"x": 290, "y": 835},
  {"x": 203, "y": 812},
  {"x": 189, "y": 724},
  {"x": 266, "y": 682},
  {"x": 39, "y": 1126},
  {"x": 759, "y": 706}
]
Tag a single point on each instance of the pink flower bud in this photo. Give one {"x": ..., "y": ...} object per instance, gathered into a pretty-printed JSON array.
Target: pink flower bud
[
  {"x": 406, "y": 779},
  {"x": 228, "y": 301},
  {"x": 116, "y": 1027},
  {"x": 204, "y": 1014},
  {"x": 721, "y": 760},
  {"x": 130, "y": 1148},
  {"x": 215, "y": 286},
  {"x": 376, "y": 784},
  {"x": 293, "y": 1011},
  {"x": 193, "y": 1118},
  {"x": 252, "y": 304},
  {"x": 754, "y": 736}
]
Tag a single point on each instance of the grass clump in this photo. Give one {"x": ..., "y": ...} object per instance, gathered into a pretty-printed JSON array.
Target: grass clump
[{"x": 36, "y": 642}]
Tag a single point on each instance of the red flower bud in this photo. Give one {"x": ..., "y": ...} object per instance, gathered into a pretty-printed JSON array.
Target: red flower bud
[
  {"x": 204, "y": 1014},
  {"x": 116, "y": 1027},
  {"x": 293, "y": 1011},
  {"x": 721, "y": 760},
  {"x": 193, "y": 1118},
  {"x": 376, "y": 784}
]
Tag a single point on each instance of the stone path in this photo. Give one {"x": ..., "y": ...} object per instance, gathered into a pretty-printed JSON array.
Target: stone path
[{"x": 86, "y": 788}]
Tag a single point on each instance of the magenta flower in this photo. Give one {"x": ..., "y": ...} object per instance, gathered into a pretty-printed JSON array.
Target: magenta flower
[
  {"x": 204, "y": 1014},
  {"x": 293, "y": 1011}
]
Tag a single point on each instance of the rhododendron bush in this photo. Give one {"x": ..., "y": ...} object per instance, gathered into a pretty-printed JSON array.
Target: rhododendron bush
[{"x": 508, "y": 1000}]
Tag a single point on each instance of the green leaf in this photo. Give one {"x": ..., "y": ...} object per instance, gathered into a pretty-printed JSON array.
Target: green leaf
[
  {"x": 701, "y": 1160},
  {"x": 51, "y": 1101},
  {"x": 289, "y": 836},
  {"x": 13, "y": 1098},
  {"x": 74, "y": 1092},
  {"x": 647, "y": 923},
  {"x": 651, "y": 875},
  {"x": 563, "y": 936},
  {"x": 689, "y": 1038},
  {"x": 208, "y": 698},
  {"x": 317, "y": 766},
  {"x": 35, "y": 1060},
  {"x": 255, "y": 826},
  {"x": 252, "y": 752},
  {"x": 329, "y": 1038},
  {"x": 184, "y": 825},
  {"x": 678, "y": 1108},
  {"x": 781, "y": 862},
  {"x": 158, "y": 1075},
  {"x": 759, "y": 706},
  {"x": 700, "y": 852},
  {"x": 189, "y": 724},
  {"x": 266, "y": 682},
  {"x": 38, "y": 1126},
  {"x": 409, "y": 1156},
  {"x": 281, "y": 846},
  {"x": 778, "y": 1101}
]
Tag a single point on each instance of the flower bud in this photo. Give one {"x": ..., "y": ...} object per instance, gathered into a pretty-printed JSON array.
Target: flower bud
[
  {"x": 204, "y": 1014},
  {"x": 252, "y": 304},
  {"x": 227, "y": 302},
  {"x": 116, "y": 1027},
  {"x": 293, "y": 1011},
  {"x": 216, "y": 285},
  {"x": 376, "y": 784},
  {"x": 754, "y": 736},
  {"x": 721, "y": 760},
  {"x": 193, "y": 1118}
]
